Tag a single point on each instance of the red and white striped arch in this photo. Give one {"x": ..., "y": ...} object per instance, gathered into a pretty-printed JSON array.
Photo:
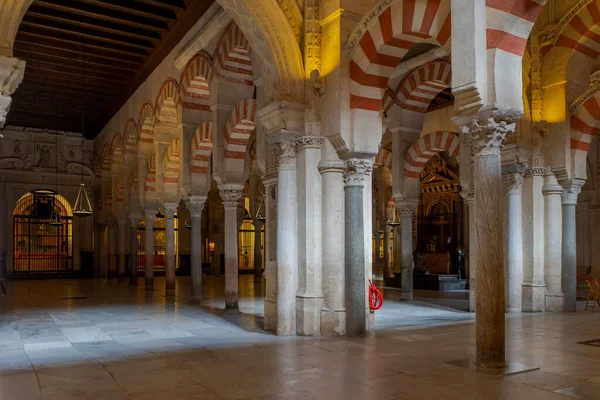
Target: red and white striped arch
[
  {"x": 233, "y": 57},
  {"x": 426, "y": 147},
  {"x": 383, "y": 159},
  {"x": 582, "y": 33},
  {"x": 172, "y": 163},
  {"x": 202, "y": 145},
  {"x": 130, "y": 136},
  {"x": 146, "y": 124},
  {"x": 239, "y": 128},
  {"x": 106, "y": 157},
  {"x": 117, "y": 148},
  {"x": 509, "y": 23},
  {"x": 151, "y": 174},
  {"x": 585, "y": 124},
  {"x": 383, "y": 46},
  {"x": 135, "y": 179},
  {"x": 168, "y": 98},
  {"x": 422, "y": 85},
  {"x": 194, "y": 82},
  {"x": 120, "y": 196}
]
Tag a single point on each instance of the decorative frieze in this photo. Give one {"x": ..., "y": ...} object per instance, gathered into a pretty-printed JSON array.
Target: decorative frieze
[
  {"x": 356, "y": 170},
  {"x": 309, "y": 142}
]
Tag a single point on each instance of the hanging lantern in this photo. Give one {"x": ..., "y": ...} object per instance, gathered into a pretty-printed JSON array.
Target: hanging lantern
[
  {"x": 188, "y": 222},
  {"x": 55, "y": 219},
  {"x": 393, "y": 222},
  {"x": 83, "y": 207}
]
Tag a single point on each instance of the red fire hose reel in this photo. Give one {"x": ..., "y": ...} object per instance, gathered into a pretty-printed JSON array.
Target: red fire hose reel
[{"x": 375, "y": 297}]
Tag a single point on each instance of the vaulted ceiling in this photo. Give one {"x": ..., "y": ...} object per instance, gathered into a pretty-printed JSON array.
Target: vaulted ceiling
[{"x": 85, "y": 58}]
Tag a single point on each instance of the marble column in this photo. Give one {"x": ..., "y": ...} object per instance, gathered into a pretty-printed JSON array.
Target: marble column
[
  {"x": 122, "y": 225},
  {"x": 149, "y": 218},
  {"x": 287, "y": 239},
  {"x": 195, "y": 205},
  {"x": 355, "y": 172},
  {"x": 270, "y": 182},
  {"x": 486, "y": 134},
  {"x": 231, "y": 195},
  {"x": 169, "y": 210},
  {"x": 397, "y": 263},
  {"x": 387, "y": 266},
  {"x": 514, "y": 241},
  {"x": 552, "y": 192},
  {"x": 407, "y": 213},
  {"x": 569, "y": 246},
  {"x": 333, "y": 314},
  {"x": 258, "y": 260},
  {"x": 472, "y": 251},
  {"x": 309, "y": 297},
  {"x": 133, "y": 248},
  {"x": 534, "y": 287},
  {"x": 112, "y": 253}
]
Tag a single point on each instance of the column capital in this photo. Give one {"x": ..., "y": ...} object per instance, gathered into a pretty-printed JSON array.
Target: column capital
[
  {"x": 535, "y": 171},
  {"x": 551, "y": 185},
  {"x": 150, "y": 215},
  {"x": 513, "y": 183},
  {"x": 327, "y": 166},
  {"x": 571, "y": 191},
  {"x": 285, "y": 153},
  {"x": 407, "y": 208},
  {"x": 487, "y": 129},
  {"x": 356, "y": 170},
  {"x": 195, "y": 205},
  {"x": 230, "y": 194},
  {"x": 170, "y": 209},
  {"x": 309, "y": 142}
]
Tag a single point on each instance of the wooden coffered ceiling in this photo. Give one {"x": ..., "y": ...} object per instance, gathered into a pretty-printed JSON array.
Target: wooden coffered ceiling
[{"x": 123, "y": 42}]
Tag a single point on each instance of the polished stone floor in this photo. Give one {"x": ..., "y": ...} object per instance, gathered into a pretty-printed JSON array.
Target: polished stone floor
[{"x": 89, "y": 339}]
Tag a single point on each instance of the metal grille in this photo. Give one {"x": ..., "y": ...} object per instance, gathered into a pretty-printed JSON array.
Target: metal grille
[
  {"x": 159, "y": 246},
  {"x": 38, "y": 246},
  {"x": 246, "y": 239}
]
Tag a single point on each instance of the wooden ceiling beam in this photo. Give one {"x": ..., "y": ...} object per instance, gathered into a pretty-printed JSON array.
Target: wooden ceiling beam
[
  {"x": 106, "y": 14},
  {"x": 43, "y": 76},
  {"x": 76, "y": 74},
  {"x": 63, "y": 68},
  {"x": 134, "y": 8},
  {"x": 91, "y": 64},
  {"x": 175, "y": 5},
  {"x": 65, "y": 41},
  {"x": 88, "y": 33}
]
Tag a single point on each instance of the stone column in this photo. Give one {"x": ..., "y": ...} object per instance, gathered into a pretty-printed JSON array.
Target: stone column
[
  {"x": 552, "y": 192},
  {"x": 287, "y": 235},
  {"x": 122, "y": 225},
  {"x": 472, "y": 252},
  {"x": 387, "y": 266},
  {"x": 407, "y": 213},
  {"x": 333, "y": 314},
  {"x": 112, "y": 253},
  {"x": 169, "y": 210},
  {"x": 534, "y": 288},
  {"x": 133, "y": 248},
  {"x": 149, "y": 217},
  {"x": 309, "y": 298},
  {"x": 195, "y": 206},
  {"x": 514, "y": 241},
  {"x": 569, "y": 246},
  {"x": 258, "y": 264},
  {"x": 270, "y": 182},
  {"x": 486, "y": 134},
  {"x": 397, "y": 264},
  {"x": 231, "y": 195},
  {"x": 355, "y": 173}
]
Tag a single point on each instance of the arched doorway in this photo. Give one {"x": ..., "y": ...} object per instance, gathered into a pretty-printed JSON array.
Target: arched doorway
[{"x": 38, "y": 246}]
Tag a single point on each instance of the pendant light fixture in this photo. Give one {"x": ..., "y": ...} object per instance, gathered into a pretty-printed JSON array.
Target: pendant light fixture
[
  {"x": 393, "y": 222},
  {"x": 259, "y": 217},
  {"x": 83, "y": 207},
  {"x": 188, "y": 222}
]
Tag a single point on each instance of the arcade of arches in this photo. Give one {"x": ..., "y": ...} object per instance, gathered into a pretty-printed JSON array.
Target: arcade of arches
[{"x": 440, "y": 145}]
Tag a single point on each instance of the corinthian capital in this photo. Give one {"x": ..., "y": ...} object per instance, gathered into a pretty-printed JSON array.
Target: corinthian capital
[
  {"x": 487, "y": 129},
  {"x": 170, "y": 209},
  {"x": 513, "y": 183},
  {"x": 230, "y": 194},
  {"x": 195, "y": 205},
  {"x": 571, "y": 191},
  {"x": 285, "y": 153},
  {"x": 356, "y": 170}
]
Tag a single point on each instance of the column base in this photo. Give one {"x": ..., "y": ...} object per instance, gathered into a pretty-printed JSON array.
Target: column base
[
  {"x": 333, "y": 323},
  {"x": 555, "y": 302},
  {"x": 149, "y": 284},
  {"x": 406, "y": 295},
  {"x": 534, "y": 298},
  {"x": 231, "y": 301},
  {"x": 270, "y": 320},
  {"x": 308, "y": 316}
]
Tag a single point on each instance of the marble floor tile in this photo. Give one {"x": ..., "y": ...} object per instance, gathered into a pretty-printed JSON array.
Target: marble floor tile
[
  {"x": 85, "y": 334},
  {"x": 70, "y": 373},
  {"x": 100, "y": 390}
]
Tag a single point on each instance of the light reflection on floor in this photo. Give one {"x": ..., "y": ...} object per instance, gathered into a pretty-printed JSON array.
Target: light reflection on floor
[{"x": 122, "y": 343}]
